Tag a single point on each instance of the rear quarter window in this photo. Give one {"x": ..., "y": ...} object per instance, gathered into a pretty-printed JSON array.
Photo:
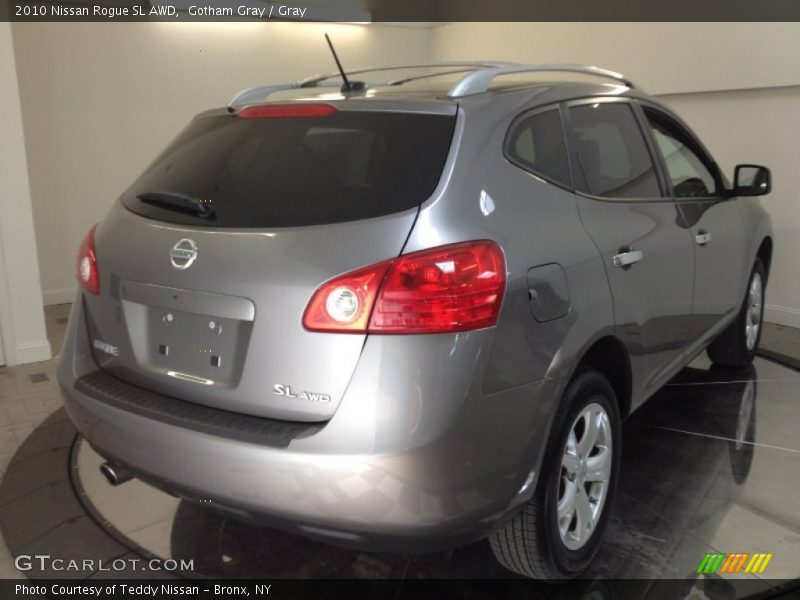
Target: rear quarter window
[
  {"x": 298, "y": 171},
  {"x": 536, "y": 144}
]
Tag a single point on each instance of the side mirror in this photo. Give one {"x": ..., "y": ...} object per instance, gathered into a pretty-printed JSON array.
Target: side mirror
[{"x": 751, "y": 180}]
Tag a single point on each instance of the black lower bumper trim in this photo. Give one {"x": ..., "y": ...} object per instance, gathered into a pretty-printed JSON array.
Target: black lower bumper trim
[{"x": 106, "y": 388}]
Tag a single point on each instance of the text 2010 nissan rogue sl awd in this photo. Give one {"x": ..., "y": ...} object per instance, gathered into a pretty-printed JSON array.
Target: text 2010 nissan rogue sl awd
[{"x": 412, "y": 313}]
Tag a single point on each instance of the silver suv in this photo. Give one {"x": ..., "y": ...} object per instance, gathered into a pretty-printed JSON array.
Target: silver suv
[{"x": 412, "y": 312}]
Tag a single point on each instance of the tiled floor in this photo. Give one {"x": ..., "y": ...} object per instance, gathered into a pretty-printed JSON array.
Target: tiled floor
[{"x": 29, "y": 393}]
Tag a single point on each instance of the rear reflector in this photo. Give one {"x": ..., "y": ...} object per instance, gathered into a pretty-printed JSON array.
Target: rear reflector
[
  {"x": 451, "y": 288},
  {"x": 286, "y": 111},
  {"x": 86, "y": 264}
]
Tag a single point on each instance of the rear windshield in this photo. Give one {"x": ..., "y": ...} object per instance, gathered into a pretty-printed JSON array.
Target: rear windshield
[{"x": 297, "y": 171}]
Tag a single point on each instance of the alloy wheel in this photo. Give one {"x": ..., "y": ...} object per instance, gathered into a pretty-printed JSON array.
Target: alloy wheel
[
  {"x": 585, "y": 476},
  {"x": 753, "y": 317}
]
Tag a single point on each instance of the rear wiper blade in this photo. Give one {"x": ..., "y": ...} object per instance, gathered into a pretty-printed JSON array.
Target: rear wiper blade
[{"x": 182, "y": 202}]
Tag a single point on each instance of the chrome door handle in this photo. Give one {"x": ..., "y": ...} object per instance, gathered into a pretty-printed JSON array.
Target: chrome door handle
[
  {"x": 627, "y": 257},
  {"x": 702, "y": 238}
]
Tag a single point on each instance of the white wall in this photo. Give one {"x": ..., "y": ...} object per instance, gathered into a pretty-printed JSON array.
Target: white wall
[
  {"x": 736, "y": 84},
  {"x": 21, "y": 318},
  {"x": 100, "y": 100},
  {"x": 661, "y": 57}
]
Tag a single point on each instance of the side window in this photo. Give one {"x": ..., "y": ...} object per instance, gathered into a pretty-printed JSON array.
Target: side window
[
  {"x": 686, "y": 170},
  {"x": 537, "y": 144},
  {"x": 612, "y": 154}
]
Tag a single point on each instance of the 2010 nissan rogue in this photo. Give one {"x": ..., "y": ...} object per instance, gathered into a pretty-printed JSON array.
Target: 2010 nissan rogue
[{"x": 412, "y": 312}]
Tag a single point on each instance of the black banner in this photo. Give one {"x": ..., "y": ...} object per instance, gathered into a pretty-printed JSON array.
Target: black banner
[
  {"x": 514, "y": 589},
  {"x": 362, "y": 11}
]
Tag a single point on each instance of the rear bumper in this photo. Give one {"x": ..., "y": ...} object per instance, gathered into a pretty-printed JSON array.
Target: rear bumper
[{"x": 394, "y": 474}]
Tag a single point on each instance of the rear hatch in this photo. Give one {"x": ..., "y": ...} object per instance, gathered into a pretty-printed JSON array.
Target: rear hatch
[{"x": 209, "y": 259}]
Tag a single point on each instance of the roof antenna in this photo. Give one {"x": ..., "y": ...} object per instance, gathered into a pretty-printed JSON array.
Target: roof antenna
[{"x": 347, "y": 86}]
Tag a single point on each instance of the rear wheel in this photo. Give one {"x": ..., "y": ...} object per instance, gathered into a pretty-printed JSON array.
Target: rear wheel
[
  {"x": 737, "y": 345},
  {"x": 557, "y": 533}
]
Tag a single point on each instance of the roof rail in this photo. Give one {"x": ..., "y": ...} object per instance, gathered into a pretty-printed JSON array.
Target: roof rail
[
  {"x": 257, "y": 94},
  {"x": 312, "y": 81},
  {"x": 478, "y": 81}
]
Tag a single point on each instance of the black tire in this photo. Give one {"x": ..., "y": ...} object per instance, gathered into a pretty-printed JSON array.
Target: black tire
[
  {"x": 529, "y": 542},
  {"x": 730, "y": 349}
]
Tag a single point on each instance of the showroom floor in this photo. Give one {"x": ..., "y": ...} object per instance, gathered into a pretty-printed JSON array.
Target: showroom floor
[
  {"x": 28, "y": 394},
  {"x": 698, "y": 476}
]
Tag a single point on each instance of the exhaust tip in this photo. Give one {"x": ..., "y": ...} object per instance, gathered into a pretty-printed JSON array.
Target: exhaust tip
[{"x": 114, "y": 474}]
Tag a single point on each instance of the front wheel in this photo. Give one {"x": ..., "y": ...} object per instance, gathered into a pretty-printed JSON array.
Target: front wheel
[
  {"x": 557, "y": 533},
  {"x": 737, "y": 345}
]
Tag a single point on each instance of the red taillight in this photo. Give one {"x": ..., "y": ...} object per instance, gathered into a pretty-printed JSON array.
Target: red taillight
[
  {"x": 86, "y": 264},
  {"x": 451, "y": 288},
  {"x": 286, "y": 111}
]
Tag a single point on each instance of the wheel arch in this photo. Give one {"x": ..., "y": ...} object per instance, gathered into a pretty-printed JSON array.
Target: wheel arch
[
  {"x": 765, "y": 253},
  {"x": 609, "y": 356}
]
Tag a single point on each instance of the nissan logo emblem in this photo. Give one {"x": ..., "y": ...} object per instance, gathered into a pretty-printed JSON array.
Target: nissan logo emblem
[{"x": 183, "y": 254}]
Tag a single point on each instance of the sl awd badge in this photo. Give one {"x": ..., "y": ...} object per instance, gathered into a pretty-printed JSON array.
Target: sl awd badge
[
  {"x": 183, "y": 254},
  {"x": 286, "y": 390}
]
